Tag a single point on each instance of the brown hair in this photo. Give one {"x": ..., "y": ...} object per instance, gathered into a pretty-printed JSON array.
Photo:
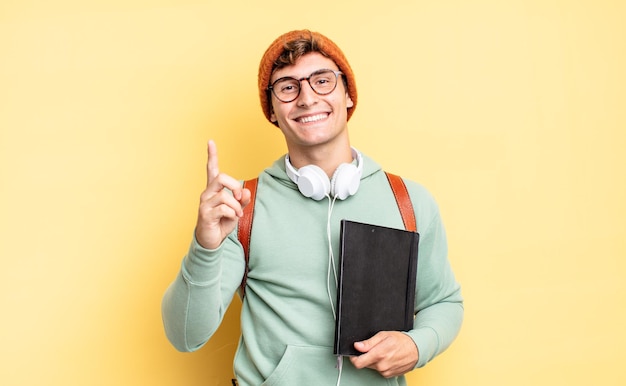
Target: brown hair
[{"x": 295, "y": 49}]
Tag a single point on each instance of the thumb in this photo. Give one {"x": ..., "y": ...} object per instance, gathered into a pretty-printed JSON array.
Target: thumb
[{"x": 366, "y": 345}]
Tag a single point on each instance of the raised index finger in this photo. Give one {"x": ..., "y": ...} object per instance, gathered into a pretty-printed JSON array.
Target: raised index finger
[{"x": 212, "y": 170}]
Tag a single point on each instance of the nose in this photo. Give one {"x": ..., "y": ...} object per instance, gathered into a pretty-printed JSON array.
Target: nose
[{"x": 307, "y": 95}]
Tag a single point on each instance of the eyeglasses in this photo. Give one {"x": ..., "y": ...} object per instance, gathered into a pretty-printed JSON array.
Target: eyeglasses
[{"x": 323, "y": 82}]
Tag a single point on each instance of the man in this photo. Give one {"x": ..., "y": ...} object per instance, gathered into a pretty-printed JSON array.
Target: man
[{"x": 307, "y": 90}]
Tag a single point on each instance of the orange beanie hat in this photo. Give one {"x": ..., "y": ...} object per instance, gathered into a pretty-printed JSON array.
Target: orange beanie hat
[{"x": 324, "y": 44}]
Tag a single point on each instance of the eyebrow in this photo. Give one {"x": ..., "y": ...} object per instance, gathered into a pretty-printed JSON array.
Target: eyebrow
[{"x": 300, "y": 78}]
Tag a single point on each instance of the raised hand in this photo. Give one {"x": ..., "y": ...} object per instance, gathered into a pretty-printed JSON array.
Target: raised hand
[{"x": 220, "y": 209}]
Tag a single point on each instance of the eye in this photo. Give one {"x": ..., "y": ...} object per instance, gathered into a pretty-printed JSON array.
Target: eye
[
  {"x": 286, "y": 86},
  {"x": 324, "y": 80}
]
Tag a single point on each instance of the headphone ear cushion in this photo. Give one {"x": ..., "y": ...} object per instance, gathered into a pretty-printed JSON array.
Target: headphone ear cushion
[
  {"x": 313, "y": 182},
  {"x": 345, "y": 181}
]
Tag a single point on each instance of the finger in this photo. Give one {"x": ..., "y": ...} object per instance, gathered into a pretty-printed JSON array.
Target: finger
[
  {"x": 362, "y": 361},
  {"x": 246, "y": 195},
  {"x": 235, "y": 204},
  {"x": 218, "y": 183},
  {"x": 366, "y": 345},
  {"x": 212, "y": 168},
  {"x": 219, "y": 206}
]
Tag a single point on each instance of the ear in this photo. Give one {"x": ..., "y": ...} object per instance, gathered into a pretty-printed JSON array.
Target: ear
[
  {"x": 349, "y": 103},
  {"x": 270, "y": 100}
]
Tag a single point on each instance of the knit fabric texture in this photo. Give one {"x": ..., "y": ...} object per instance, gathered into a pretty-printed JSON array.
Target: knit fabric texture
[{"x": 324, "y": 44}]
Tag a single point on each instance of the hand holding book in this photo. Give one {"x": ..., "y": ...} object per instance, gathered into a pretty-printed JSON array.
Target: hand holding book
[{"x": 391, "y": 353}]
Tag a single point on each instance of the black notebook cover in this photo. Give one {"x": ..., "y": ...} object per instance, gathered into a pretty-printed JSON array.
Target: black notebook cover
[{"x": 377, "y": 273}]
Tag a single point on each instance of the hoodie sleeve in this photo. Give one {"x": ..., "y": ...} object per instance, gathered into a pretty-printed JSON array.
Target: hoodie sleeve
[
  {"x": 195, "y": 303},
  {"x": 438, "y": 301}
]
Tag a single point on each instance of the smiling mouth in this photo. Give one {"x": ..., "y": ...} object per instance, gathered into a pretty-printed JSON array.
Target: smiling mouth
[{"x": 313, "y": 118}]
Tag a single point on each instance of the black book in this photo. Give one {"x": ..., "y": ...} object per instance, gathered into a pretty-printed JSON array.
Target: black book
[{"x": 377, "y": 274}]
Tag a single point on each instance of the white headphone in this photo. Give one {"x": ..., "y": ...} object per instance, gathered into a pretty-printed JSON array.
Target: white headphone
[{"x": 313, "y": 182}]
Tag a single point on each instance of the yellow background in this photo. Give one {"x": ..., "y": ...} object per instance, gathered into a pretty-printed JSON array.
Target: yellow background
[{"x": 513, "y": 113}]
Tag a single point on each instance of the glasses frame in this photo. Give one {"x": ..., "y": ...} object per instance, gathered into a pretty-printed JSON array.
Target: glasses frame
[{"x": 308, "y": 79}]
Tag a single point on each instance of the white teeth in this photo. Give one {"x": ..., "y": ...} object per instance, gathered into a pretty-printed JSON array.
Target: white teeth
[{"x": 313, "y": 118}]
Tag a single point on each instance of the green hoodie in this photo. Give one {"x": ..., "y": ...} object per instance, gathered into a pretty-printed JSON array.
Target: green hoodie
[{"x": 287, "y": 320}]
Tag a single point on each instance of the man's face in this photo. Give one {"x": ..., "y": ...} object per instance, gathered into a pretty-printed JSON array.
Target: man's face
[{"x": 311, "y": 119}]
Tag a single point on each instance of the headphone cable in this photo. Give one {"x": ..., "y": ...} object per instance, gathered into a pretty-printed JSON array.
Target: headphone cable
[{"x": 331, "y": 257}]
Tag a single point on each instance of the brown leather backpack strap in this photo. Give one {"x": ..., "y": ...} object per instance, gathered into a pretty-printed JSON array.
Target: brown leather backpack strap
[
  {"x": 404, "y": 201},
  {"x": 245, "y": 228}
]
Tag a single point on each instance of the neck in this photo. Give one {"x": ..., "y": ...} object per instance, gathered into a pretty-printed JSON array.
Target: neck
[{"x": 327, "y": 158}]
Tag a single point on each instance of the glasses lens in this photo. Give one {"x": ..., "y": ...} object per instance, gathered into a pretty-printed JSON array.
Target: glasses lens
[
  {"x": 323, "y": 82},
  {"x": 286, "y": 89}
]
